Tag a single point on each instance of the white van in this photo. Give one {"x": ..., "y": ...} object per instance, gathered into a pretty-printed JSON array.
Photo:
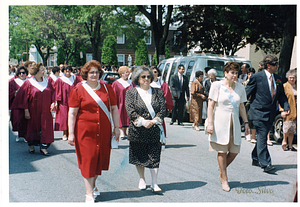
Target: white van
[{"x": 197, "y": 62}]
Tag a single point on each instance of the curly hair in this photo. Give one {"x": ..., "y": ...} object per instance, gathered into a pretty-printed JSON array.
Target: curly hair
[
  {"x": 22, "y": 67},
  {"x": 231, "y": 66},
  {"x": 35, "y": 68},
  {"x": 123, "y": 69},
  {"x": 137, "y": 73},
  {"x": 87, "y": 67}
]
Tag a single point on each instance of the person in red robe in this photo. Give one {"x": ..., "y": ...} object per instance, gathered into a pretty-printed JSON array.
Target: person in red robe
[
  {"x": 90, "y": 129},
  {"x": 14, "y": 86},
  {"x": 159, "y": 83},
  {"x": 63, "y": 87},
  {"x": 54, "y": 75},
  {"x": 120, "y": 87},
  {"x": 37, "y": 98}
]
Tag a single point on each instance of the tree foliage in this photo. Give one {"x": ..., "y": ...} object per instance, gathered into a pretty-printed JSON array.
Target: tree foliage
[
  {"x": 109, "y": 51},
  {"x": 141, "y": 53}
]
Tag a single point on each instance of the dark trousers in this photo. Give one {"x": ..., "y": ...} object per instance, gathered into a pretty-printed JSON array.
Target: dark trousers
[
  {"x": 260, "y": 152},
  {"x": 177, "y": 111}
]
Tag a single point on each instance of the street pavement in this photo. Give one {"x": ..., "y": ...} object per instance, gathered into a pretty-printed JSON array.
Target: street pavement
[{"x": 188, "y": 173}]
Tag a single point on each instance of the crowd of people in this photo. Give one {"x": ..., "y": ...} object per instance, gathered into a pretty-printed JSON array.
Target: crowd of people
[{"x": 91, "y": 113}]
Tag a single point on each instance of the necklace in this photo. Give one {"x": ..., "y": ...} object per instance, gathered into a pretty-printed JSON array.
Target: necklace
[{"x": 97, "y": 87}]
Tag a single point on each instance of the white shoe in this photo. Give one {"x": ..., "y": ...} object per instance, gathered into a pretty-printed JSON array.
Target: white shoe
[
  {"x": 96, "y": 191},
  {"x": 142, "y": 184},
  {"x": 89, "y": 199},
  {"x": 155, "y": 189},
  {"x": 197, "y": 128},
  {"x": 65, "y": 138},
  {"x": 17, "y": 139},
  {"x": 163, "y": 147}
]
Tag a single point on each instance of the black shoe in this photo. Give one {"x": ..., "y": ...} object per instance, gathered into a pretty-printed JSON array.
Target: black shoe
[
  {"x": 269, "y": 168},
  {"x": 31, "y": 149},
  {"x": 171, "y": 123},
  {"x": 181, "y": 124},
  {"x": 255, "y": 163}
]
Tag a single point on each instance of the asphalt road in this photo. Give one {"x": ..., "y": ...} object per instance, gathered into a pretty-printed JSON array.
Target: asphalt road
[{"x": 188, "y": 173}]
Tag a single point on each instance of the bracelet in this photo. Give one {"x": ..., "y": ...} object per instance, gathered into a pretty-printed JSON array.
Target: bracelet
[
  {"x": 246, "y": 122},
  {"x": 116, "y": 127}
]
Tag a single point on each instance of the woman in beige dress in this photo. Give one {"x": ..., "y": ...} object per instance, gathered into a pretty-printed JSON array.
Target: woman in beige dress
[
  {"x": 225, "y": 105},
  {"x": 197, "y": 98}
]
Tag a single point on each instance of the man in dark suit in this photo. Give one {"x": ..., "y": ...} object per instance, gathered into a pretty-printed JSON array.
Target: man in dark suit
[
  {"x": 265, "y": 89},
  {"x": 179, "y": 85},
  {"x": 243, "y": 77}
]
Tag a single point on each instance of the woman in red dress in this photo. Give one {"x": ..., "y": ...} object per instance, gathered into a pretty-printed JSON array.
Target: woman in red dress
[
  {"x": 36, "y": 97},
  {"x": 159, "y": 83},
  {"x": 63, "y": 87},
  {"x": 120, "y": 87},
  {"x": 14, "y": 86},
  {"x": 90, "y": 129}
]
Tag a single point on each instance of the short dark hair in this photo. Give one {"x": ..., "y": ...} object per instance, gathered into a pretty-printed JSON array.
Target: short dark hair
[
  {"x": 55, "y": 69},
  {"x": 87, "y": 67},
  {"x": 250, "y": 70},
  {"x": 179, "y": 66},
  {"x": 158, "y": 71},
  {"x": 206, "y": 69},
  {"x": 21, "y": 68},
  {"x": 198, "y": 73},
  {"x": 246, "y": 65},
  {"x": 67, "y": 67},
  {"x": 231, "y": 66},
  {"x": 269, "y": 59}
]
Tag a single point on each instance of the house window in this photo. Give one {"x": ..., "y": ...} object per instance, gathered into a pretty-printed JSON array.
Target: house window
[
  {"x": 148, "y": 37},
  {"x": 121, "y": 59},
  {"x": 121, "y": 39},
  {"x": 89, "y": 56}
]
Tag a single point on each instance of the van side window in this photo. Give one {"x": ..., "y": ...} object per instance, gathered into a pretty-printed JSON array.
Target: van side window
[
  {"x": 174, "y": 66},
  {"x": 166, "y": 71},
  {"x": 161, "y": 67},
  {"x": 190, "y": 68},
  {"x": 217, "y": 65}
]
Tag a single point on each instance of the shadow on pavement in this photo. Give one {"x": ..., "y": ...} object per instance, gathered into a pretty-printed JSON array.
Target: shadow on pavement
[
  {"x": 179, "y": 145},
  {"x": 115, "y": 195},
  {"x": 258, "y": 184}
]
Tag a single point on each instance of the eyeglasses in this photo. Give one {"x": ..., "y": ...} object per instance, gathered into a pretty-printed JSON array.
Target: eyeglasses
[
  {"x": 22, "y": 72},
  {"x": 95, "y": 72},
  {"x": 68, "y": 69},
  {"x": 274, "y": 63},
  {"x": 144, "y": 76}
]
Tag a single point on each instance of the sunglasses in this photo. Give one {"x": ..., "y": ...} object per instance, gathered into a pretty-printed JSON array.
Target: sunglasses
[
  {"x": 22, "y": 73},
  {"x": 274, "y": 63},
  {"x": 144, "y": 76}
]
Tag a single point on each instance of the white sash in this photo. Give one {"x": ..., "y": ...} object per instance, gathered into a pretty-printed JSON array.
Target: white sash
[
  {"x": 124, "y": 83},
  {"x": 69, "y": 81},
  {"x": 54, "y": 77},
  {"x": 152, "y": 112},
  {"x": 39, "y": 85},
  {"x": 157, "y": 84},
  {"x": 19, "y": 81},
  {"x": 97, "y": 99}
]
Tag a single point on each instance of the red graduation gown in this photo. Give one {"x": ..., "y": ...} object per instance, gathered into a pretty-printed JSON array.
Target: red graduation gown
[
  {"x": 120, "y": 92},
  {"x": 40, "y": 124},
  {"x": 62, "y": 92}
]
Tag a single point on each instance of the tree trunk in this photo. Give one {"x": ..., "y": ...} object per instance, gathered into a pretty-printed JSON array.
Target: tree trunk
[{"x": 287, "y": 40}]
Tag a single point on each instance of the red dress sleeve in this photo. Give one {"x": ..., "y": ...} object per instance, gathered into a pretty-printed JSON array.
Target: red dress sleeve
[{"x": 74, "y": 100}]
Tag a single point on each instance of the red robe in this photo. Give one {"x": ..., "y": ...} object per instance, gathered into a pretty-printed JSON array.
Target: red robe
[
  {"x": 50, "y": 79},
  {"x": 62, "y": 92},
  {"x": 19, "y": 125},
  {"x": 168, "y": 96},
  {"x": 120, "y": 92},
  {"x": 92, "y": 130},
  {"x": 40, "y": 124}
]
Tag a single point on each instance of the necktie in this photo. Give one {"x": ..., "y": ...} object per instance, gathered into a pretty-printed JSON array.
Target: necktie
[{"x": 272, "y": 87}]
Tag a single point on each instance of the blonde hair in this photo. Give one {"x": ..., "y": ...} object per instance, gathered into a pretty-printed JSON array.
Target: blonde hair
[{"x": 123, "y": 69}]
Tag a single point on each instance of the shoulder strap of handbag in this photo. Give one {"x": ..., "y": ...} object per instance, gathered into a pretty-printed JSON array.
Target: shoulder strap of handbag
[
  {"x": 97, "y": 99},
  {"x": 231, "y": 99}
]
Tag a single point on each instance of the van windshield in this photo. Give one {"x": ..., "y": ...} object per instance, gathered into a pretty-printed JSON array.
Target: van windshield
[{"x": 217, "y": 65}]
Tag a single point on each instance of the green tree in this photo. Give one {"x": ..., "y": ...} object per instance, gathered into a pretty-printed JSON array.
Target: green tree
[
  {"x": 167, "y": 55},
  {"x": 141, "y": 53},
  {"x": 109, "y": 50},
  {"x": 154, "y": 59}
]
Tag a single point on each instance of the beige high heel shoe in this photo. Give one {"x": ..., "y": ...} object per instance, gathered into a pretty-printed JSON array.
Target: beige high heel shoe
[
  {"x": 225, "y": 185},
  {"x": 89, "y": 199}
]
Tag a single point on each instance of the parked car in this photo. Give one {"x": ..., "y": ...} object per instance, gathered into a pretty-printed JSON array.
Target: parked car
[
  {"x": 194, "y": 63},
  {"x": 110, "y": 77}
]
